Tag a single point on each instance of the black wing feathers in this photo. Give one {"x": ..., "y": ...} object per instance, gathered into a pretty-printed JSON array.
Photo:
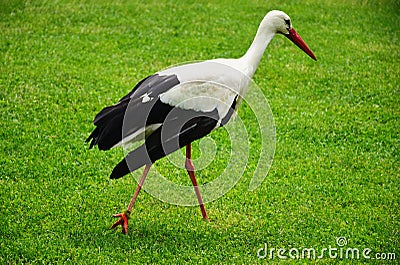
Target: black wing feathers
[
  {"x": 179, "y": 127},
  {"x": 110, "y": 120},
  {"x": 178, "y": 131}
]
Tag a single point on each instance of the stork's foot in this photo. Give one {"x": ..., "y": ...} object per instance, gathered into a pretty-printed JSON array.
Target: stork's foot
[{"x": 123, "y": 221}]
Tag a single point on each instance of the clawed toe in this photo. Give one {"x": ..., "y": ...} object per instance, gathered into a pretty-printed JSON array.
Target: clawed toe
[{"x": 123, "y": 221}]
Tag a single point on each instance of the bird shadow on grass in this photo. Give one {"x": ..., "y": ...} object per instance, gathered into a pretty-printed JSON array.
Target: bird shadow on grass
[{"x": 169, "y": 239}]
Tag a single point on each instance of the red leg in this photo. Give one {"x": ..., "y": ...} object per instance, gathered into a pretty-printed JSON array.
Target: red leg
[
  {"x": 190, "y": 169},
  {"x": 124, "y": 217}
]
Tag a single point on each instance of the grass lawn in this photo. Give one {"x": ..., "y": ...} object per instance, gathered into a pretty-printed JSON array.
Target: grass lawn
[{"x": 336, "y": 166}]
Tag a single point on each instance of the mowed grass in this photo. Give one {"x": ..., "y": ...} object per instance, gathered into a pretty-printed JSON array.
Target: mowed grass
[{"x": 336, "y": 166}]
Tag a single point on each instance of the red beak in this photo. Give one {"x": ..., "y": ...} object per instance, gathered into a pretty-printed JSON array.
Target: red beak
[{"x": 296, "y": 39}]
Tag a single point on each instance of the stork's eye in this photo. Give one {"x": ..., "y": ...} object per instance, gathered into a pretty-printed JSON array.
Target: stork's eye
[{"x": 287, "y": 21}]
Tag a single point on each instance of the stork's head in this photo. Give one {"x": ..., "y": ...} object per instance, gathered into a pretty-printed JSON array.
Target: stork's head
[{"x": 279, "y": 22}]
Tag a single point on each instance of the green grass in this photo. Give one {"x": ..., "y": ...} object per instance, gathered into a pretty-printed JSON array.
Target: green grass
[{"x": 336, "y": 166}]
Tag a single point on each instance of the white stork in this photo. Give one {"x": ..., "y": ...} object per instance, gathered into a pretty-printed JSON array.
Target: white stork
[{"x": 177, "y": 106}]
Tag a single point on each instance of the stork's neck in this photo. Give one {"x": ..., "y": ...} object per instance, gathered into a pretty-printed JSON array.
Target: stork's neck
[{"x": 253, "y": 55}]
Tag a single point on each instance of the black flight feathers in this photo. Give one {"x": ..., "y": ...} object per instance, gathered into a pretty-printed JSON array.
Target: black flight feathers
[
  {"x": 133, "y": 113},
  {"x": 109, "y": 121}
]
